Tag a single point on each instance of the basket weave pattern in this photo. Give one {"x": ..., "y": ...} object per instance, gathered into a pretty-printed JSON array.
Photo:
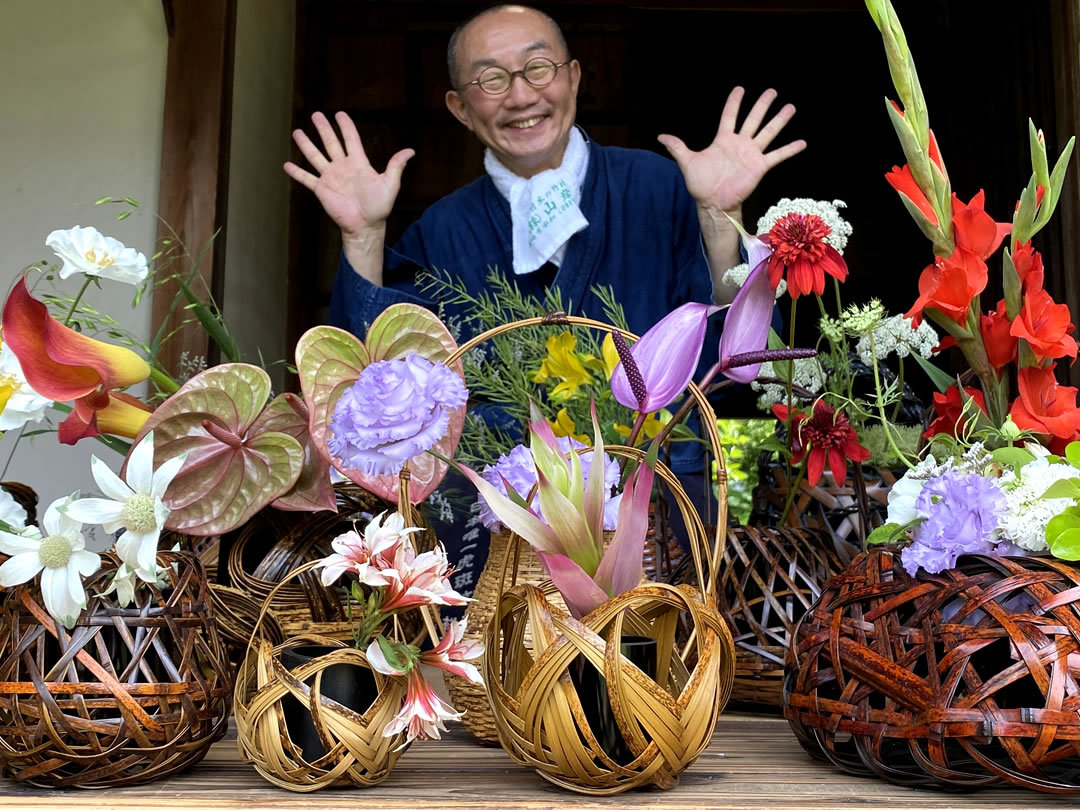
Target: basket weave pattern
[
  {"x": 961, "y": 679},
  {"x": 128, "y": 696}
]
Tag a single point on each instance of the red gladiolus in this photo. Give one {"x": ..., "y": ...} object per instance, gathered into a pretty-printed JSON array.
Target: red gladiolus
[
  {"x": 1046, "y": 327},
  {"x": 1029, "y": 266},
  {"x": 950, "y": 410},
  {"x": 1046, "y": 407},
  {"x": 999, "y": 342},
  {"x": 974, "y": 230},
  {"x": 827, "y": 435},
  {"x": 901, "y": 179},
  {"x": 949, "y": 285},
  {"x": 798, "y": 244}
]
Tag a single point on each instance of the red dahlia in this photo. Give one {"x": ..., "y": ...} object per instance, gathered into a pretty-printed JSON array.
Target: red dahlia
[
  {"x": 827, "y": 435},
  {"x": 798, "y": 246}
]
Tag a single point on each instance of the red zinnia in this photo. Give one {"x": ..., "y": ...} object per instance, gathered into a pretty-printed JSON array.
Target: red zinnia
[
  {"x": 1046, "y": 407},
  {"x": 1029, "y": 266},
  {"x": 798, "y": 245},
  {"x": 949, "y": 408},
  {"x": 1046, "y": 327},
  {"x": 999, "y": 342},
  {"x": 829, "y": 436}
]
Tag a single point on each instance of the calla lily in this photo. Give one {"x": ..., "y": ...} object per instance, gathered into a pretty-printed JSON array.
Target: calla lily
[
  {"x": 746, "y": 326},
  {"x": 62, "y": 364},
  {"x": 667, "y": 356}
]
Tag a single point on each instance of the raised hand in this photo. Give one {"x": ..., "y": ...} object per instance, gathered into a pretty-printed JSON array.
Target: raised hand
[
  {"x": 354, "y": 195},
  {"x": 727, "y": 171}
]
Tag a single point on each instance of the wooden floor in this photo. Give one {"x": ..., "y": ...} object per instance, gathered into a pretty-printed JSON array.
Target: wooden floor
[{"x": 753, "y": 762}]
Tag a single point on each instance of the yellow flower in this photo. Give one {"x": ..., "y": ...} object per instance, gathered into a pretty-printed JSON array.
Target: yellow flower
[
  {"x": 611, "y": 356},
  {"x": 654, "y": 423},
  {"x": 563, "y": 363},
  {"x": 563, "y": 425}
]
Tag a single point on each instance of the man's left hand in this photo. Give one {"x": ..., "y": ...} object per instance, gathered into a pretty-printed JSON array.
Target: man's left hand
[{"x": 727, "y": 171}]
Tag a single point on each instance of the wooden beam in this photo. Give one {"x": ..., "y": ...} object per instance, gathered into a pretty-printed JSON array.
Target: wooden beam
[{"x": 193, "y": 192}]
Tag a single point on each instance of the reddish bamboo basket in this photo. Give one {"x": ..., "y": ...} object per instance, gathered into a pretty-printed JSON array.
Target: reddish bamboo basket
[{"x": 957, "y": 680}]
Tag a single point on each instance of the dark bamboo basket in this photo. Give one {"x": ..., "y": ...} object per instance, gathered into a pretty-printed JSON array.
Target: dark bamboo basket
[
  {"x": 957, "y": 680},
  {"x": 767, "y": 581},
  {"x": 128, "y": 696}
]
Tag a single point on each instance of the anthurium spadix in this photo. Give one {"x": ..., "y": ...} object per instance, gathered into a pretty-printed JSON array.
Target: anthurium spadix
[{"x": 666, "y": 356}]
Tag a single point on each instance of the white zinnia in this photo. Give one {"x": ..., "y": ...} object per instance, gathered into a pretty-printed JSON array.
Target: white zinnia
[
  {"x": 1027, "y": 513},
  {"x": 895, "y": 335},
  {"x": 25, "y": 404},
  {"x": 134, "y": 506},
  {"x": 85, "y": 250},
  {"x": 841, "y": 228},
  {"x": 61, "y": 558}
]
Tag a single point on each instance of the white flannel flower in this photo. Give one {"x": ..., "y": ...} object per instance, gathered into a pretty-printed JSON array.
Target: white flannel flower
[
  {"x": 86, "y": 250},
  {"x": 25, "y": 404},
  {"x": 808, "y": 374},
  {"x": 895, "y": 335},
  {"x": 60, "y": 556},
  {"x": 1027, "y": 513},
  {"x": 134, "y": 506},
  {"x": 736, "y": 276},
  {"x": 841, "y": 228}
]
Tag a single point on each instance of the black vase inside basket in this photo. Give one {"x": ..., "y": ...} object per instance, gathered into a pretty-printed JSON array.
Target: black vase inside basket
[
  {"x": 593, "y": 692},
  {"x": 352, "y": 687}
]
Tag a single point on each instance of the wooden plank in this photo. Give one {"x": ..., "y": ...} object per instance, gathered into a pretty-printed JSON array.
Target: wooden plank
[
  {"x": 192, "y": 199},
  {"x": 753, "y": 761}
]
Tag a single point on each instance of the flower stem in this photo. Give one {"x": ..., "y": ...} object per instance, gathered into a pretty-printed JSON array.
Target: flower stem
[
  {"x": 790, "y": 382},
  {"x": 900, "y": 383},
  {"x": 78, "y": 298},
  {"x": 885, "y": 425},
  {"x": 636, "y": 429},
  {"x": 163, "y": 381},
  {"x": 793, "y": 488}
]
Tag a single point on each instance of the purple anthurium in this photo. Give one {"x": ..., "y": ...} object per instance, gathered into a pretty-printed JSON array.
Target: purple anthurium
[
  {"x": 746, "y": 326},
  {"x": 572, "y": 545},
  {"x": 666, "y": 357}
]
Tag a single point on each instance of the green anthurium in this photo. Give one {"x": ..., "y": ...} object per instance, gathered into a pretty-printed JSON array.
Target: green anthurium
[
  {"x": 234, "y": 467},
  {"x": 313, "y": 490},
  {"x": 329, "y": 360}
]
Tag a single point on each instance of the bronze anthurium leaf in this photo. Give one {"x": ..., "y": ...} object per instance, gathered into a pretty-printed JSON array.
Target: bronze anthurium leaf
[
  {"x": 329, "y": 361},
  {"x": 313, "y": 490},
  {"x": 232, "y": 470}
]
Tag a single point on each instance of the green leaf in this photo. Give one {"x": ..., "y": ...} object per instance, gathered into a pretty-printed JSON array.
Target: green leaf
[
  {"x": 889, "y": 533},
  {"x": 391, "y": 654},
  {"x": 1069, "y": 519},
  {"x": 1067, "y": 488},
  {"x": 102, "y": 200},
  {"x": 1014, "y": 457},
  {"x": 939, "y": 378},
  {"x": 775, "y": 341},
  {"x": 1072, "y": 453},
  {"x": 1066, "y": 546}
]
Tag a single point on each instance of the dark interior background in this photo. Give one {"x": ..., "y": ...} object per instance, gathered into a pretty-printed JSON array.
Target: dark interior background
[{"x": 652, "y": 67}]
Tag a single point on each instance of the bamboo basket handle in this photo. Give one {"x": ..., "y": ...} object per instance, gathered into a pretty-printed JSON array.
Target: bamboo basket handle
[{"x": 699, "y": 546}]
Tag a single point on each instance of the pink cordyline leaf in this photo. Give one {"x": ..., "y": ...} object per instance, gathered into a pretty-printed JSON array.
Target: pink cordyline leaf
[
  {"x": 329, "y": 360},
  {"x": 667, "y": 356},
  {"x": 233, "y": 469},
  {"x": 516, "y": 518},
  {"x": 580, "y": 592},
  {"x": 596, "y": 486},
  {"x": 313, "y": 490},
  {"x": 621, "y": 568}
]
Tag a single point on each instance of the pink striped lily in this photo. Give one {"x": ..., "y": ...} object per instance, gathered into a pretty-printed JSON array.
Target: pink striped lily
[{"x": 571, "y": 544}]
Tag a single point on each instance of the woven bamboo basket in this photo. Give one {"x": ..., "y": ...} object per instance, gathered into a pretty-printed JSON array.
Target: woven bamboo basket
[
  {"x": 128, "y": 696},
  {"x": 665, "y": 722},
  {"x": 957, "y": 680},
  {"x": 478, "y": 719},
  {"x": 357, "y": 753},
  {"x": 768, "y": 579}
]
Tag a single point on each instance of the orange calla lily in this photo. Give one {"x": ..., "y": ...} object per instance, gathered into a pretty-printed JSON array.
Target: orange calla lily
[{"x": 63, "y": 365}]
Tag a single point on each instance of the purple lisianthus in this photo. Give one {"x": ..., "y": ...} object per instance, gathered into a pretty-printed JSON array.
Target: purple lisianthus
[
  {"x": 961, "y": 512},
  {"x": 518, "y": 469},
  {"x": 394, "y": 411}
]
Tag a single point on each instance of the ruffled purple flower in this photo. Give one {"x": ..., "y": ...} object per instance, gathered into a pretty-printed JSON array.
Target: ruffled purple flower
[
  {"x": 396, "y": 410},
  {"x": 962, "y": 511},
  {"x": 518, "y": 469}
]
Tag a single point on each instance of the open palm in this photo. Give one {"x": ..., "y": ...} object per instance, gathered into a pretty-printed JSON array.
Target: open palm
[
  {"x": 353, "y": 194},
  {"x": 727, "y": 171}
]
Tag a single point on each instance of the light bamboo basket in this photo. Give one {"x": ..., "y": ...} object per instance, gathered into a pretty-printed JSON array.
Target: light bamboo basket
[
  {"x": 665, "y": 722},
  {"x": 357, "y": 753}
]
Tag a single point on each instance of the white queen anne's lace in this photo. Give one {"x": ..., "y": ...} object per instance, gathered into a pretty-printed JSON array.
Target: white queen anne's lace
[
  {"x": 828, "y": 211},
  {"x": 896, "y": 336},
  {"x": 808, "y": 374}
]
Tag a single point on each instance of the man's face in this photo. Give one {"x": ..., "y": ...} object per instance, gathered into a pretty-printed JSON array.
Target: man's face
[{"x": 526, "y": 127}]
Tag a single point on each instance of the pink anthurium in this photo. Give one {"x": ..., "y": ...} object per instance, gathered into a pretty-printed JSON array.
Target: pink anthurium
[
  {"x": 666, "y": 357},
  {"x": 63, "y": 365},
  {"x": 746, "y": 326}
]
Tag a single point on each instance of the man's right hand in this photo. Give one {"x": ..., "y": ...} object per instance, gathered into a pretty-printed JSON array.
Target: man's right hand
[{"x": 354, "y": 195}]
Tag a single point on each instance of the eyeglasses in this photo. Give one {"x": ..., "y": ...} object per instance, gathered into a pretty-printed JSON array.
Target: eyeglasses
[{"x": 538, "y": 72}]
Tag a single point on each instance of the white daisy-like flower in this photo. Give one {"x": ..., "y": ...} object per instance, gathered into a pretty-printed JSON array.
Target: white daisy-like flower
[
  {"x": 25, "y": 404},
  {"x": 841, "y": 228},
  {"x": 134, "y": 506},
  {"x": 86, "y": 250},
  {"x": 11, "y": 512},
  {"x": 737, "y": 275},
  {"x": 60, "y": 557}
]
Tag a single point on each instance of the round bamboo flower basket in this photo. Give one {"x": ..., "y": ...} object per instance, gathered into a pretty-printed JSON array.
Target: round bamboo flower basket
[
  {"x": 129, "y": 695},
  {"x": 532, "y": 643},
  {"x": 957, "y": 680}
]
